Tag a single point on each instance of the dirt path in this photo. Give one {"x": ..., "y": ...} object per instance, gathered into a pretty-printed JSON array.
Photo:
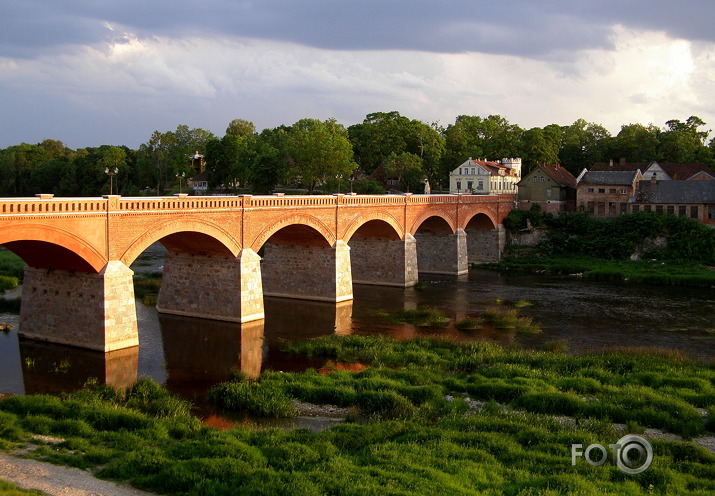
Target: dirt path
[{"x": 59, "y": 481}]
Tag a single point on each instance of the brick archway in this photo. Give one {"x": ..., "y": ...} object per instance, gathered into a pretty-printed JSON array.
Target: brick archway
[
  {"x": 296, "y": 219},
  {"x": 379, "y": 216},
  {"x": 480, "y": 222},
  {"x": 25, "y": 240},
  {"x": 176, "y": 226},
  {"x": 447, "y": 217}
]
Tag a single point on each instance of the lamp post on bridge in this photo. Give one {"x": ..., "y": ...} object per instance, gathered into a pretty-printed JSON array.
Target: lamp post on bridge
[
  {"x": 339, "y": 177},
  {"x": 181, "y": 178},
  {"x": 111, "y": 173}
]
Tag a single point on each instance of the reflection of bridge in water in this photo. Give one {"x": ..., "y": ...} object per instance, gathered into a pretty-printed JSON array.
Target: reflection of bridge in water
[
  {"x": 197, "y": 353},
  {"x": 78, "y": 286}
]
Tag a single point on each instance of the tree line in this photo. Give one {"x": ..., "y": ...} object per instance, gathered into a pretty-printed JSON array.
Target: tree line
[{"x": 325, "y": 155}]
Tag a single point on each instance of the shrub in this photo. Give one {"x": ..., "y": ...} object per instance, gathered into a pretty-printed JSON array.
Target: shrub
[{"x": 264, "y": 399}]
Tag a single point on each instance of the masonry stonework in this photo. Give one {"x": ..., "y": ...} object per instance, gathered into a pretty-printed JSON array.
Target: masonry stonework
[
  {"x": 308, "y": 272},
  {"x": 442, "y": 254},
  {"x": 227, "y": 289},
  {"x": 486, "y": 245},
  {"x": 94, "y": 311},
  {"x": 384, "y": 262}
]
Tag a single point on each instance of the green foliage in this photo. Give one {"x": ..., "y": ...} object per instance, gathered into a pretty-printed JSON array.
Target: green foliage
[
  {"x": 517, "y": 219},
  {"x": 618, "y": 238},
  {"x": 415, "y": 441},
  {"x": 10, "y": 264},
  {"x": 260, "y": 398}
]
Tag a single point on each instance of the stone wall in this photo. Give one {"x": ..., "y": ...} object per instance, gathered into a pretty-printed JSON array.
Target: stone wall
[
  {"x": 214, "y": 288},
  {"x": 384, "y": 262},
  {"x": 308, "y": 272},
  {"x": 486, "y": 245},
  {"x": 94, "y": 311},
  {"x": 442, "y": 254}
]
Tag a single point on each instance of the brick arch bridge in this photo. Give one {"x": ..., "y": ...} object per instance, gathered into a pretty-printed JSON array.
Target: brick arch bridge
[{"x": 78, "y": 286}]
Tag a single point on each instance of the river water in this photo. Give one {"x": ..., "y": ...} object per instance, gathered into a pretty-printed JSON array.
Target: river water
[{"x": 190, "y": 355}]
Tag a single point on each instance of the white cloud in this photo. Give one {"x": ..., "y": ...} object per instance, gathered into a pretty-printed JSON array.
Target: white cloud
[{"x": 147, "y": 83}]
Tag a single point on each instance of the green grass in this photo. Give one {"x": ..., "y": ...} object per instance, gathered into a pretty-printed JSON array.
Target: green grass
[
  {"x": 10, "y": 264},
  {"x": 418, "y": 434},
  {"x": 7, "y": 489},
  {"x": 658, "y": 272}
]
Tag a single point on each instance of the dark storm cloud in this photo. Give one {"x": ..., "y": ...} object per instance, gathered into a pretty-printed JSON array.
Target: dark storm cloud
[{"x": 518, "y": 27}]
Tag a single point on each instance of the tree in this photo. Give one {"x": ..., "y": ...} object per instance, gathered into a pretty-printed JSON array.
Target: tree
[
  {"x": 380, "y": 135},
  {"x": 539, "y": 146},
  {"x": 223, "y": 161},
  {"x": 492, "y": 138},
  {"x": 404, "y": 166},
  {"x": 265, "y": 169},
  {"x": 584, "y": 143},
  {"x": 635, "y": 143},
  {"x": 241, "y": 128},
  {"x": 682, "y": 142},
  {"x": 318, "y": 149}
]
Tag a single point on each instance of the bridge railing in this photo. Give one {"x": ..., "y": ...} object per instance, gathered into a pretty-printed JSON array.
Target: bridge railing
[{"x": 46, "y": 204}]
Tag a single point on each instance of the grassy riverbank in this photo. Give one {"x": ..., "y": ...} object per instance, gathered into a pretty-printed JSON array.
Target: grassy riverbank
[
  {"x": 431, "y": 417},
  {"x": 671, "y": 273}
]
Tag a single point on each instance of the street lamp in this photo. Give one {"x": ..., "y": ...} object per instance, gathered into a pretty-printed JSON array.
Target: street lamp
[
  {"x": 181, "y": 178},
  {"x": 111, "y": 173},
  {"x": 352, "y": 178},
  {"x": 339, "y": 177}
]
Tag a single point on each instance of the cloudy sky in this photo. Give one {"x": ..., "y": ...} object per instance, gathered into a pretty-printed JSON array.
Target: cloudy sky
[{"x": 92, "y": 72}]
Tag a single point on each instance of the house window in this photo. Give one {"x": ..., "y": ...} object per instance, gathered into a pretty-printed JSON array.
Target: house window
[
  {"x": 711, "y": 212},
  {"x": 612, "y": 191},
  {"x": 481, "y": 185},
  {"x": 681, "y": 210},
  {"x": 612, "y": 208},
  {"x": 624, "y": 191},
  {"x": 534, "y": 178},
  {"x": 636, "y": 208},
  {"x": 469, "y": 185},
  {"x": 473, "y": 171},
  {"x": 589, "y": 206},
  {"x": 659, "y": 209},
  {"x": 670, "y": 210},
  {"x": 601, "y": 208},
  {"x": 460, "y": 171},
  {"x": 623, "y": 207},
  {"x": 601, "y": 190},
  {"x": 459, "y": 185},
  {"x": 548, "y": 192},
  {"x": 590, "y": 190},
  {"x": 694, "y": 212}
]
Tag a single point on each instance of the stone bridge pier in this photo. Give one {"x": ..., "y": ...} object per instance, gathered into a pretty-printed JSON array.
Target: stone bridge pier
[
  {"x": 219, "y": 288},
  {"x": 94, "y": 311},
  {"x": 439, "y": 250}
]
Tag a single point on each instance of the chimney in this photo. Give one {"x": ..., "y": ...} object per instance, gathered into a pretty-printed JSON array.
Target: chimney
[
  {"x": 652, "y": 179},
  {"x": 610, "y": 163}
]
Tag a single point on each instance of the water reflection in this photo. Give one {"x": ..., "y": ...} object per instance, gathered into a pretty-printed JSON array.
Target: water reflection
[{"x": 55, "y": 368}]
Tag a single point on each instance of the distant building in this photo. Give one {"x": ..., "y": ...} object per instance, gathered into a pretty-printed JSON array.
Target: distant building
[
  {"x": 199, "y": 183},
  {"x": 692, "y": 199},
  {"x": 606, "y": 193},
  {"x": 662, "y": 171},
  {"x": 551, "y": 186},
  {"x": 484, "y": 177}
]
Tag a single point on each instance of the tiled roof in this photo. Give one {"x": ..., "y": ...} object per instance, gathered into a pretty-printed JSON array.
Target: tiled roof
[
  {"x": 678, "y": 171},
  {"x": 611, "y": 178},
  {"x": 698, "y": 192},
  {"x": 559, "y": 174}
]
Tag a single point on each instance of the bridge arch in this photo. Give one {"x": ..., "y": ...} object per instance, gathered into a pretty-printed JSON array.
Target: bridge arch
[
  {"x": 52, "y": 247},
  {"x": 184, "y": 235},
  {"x": 374, "y": 217},
  {"x": 294, "y": 220},
  {"x": 480, "y": 220},
  {"x": 427, "y": 215}
]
